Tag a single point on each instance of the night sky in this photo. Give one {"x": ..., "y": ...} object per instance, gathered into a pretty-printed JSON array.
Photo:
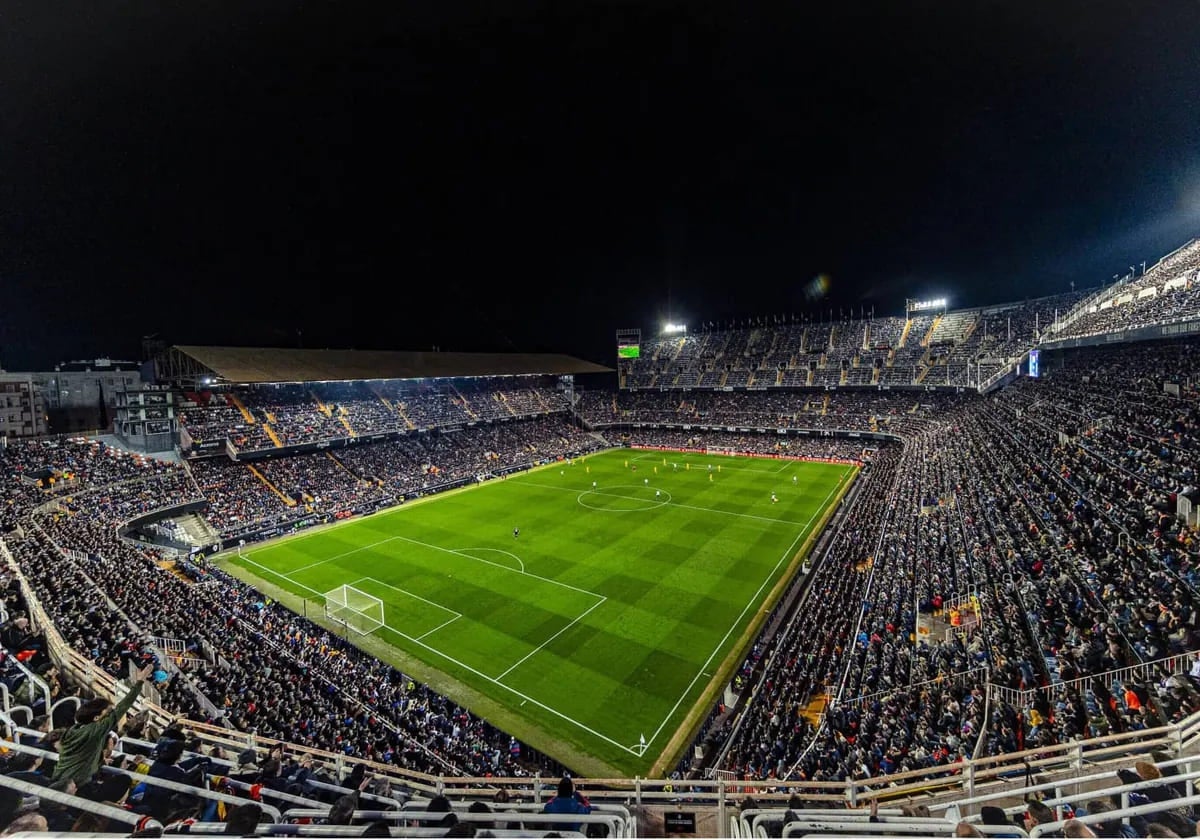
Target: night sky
[{"x": 533, "y": 176}]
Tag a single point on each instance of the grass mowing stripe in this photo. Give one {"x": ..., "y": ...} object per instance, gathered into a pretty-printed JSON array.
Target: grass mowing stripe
[
  {"x": 574, "y": 621},
  {"x": 617, "y": 613},
  {"x": 737, "y": 622},
  {"x": 463, "y": 665},
  {"x": 599, "y": 492}
]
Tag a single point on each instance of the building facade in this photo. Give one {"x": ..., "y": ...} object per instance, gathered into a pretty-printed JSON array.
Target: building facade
[{"x": 22, "y": 408}]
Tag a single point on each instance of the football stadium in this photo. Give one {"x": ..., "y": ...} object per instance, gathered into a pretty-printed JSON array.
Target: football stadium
[
  {"x": 588, "y": 420},
  {"x": 930, "y": 562}
]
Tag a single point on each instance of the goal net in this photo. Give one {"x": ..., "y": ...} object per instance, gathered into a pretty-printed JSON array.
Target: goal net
[{"x": 354, "y": 608}]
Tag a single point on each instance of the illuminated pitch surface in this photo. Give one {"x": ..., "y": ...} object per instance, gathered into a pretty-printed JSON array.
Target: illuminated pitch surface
[{"x": 610, "y": 616}]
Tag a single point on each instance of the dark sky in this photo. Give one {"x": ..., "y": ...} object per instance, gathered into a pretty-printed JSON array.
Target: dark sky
[{"x": 533, "y": 176}]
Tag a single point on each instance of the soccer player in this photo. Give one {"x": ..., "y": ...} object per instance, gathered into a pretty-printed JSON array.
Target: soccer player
[
  {"x": 516, "y": 533},
  {"x": 593, "y": 485},
  {"x": 774, "y": 498},
  {"x": 793, "y": 479},
  {"x": 646, "y": 480},
  {"x": 657, "y": 493}
]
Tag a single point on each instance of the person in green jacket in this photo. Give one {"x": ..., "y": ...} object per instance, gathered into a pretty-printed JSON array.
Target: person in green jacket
[{"x": 82, "y": 745}]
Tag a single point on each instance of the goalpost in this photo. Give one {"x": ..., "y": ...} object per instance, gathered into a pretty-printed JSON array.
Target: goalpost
[{"x": 354, "y": 608}]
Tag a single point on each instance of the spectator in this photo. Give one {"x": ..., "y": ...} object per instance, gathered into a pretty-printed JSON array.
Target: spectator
[{"x": 84, "y": 743}]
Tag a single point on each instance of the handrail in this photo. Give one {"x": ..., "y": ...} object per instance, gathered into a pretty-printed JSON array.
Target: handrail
[
  {"x": 166, "y": 784},
  {"x": 1043, "y": 829},
  {"x": 78, "y": 803},
  {"x": 34, "y": 680},
  {"x": 408, "y": 739},
  {"x": 1060, "y": 798},
  {"x": 938, "y": 680},
  {"x": 1024, "y": 697},
  {"x": 951, "y": 776}
]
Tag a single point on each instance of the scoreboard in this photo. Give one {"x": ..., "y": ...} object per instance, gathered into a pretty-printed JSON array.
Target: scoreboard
[{"x": 629, "y": 344}]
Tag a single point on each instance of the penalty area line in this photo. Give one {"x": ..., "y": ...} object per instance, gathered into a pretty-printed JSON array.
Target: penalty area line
[{"x": 493, "y": 680}]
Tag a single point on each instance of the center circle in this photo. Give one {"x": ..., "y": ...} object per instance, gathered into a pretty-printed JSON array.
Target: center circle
[{"x": 609, "y": 498}]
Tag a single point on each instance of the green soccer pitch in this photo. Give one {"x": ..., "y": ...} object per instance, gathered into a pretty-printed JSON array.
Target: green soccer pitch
[{"x": 604, "y": 631}]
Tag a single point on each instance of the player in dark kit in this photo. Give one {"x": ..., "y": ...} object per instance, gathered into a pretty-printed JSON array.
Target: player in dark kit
[{"x": 516, "y": 533}]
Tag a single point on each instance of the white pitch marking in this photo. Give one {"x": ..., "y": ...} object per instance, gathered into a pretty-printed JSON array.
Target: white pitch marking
[
  {"x": 665, "y": 504},
  {"x": 337, "y": 556},
  {"x": 410, "y": 594},
  {"x": 745, "y": 609},
  {"x": 724, "y": 466},
  {"x": 499, "y": 566},
  {"x": 437, "y": 652},
  {"x": 575, "y": 621},
  {"x": 439, "y": 627},
  {"x": 463, "y": 551}
]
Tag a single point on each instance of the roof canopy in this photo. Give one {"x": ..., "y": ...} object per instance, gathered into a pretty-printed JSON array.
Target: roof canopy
[{"x": 251, "y": 365}]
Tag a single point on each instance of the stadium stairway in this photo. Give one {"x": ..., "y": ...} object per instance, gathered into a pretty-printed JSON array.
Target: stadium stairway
[
  {"x": 844, "y": 377},
  {"x": 235, "y": 401},
  {"x": 462, "y": 401},
  {"x": 287, "y": 500},
  {"x": 971, "y": 327},
  {"x": 875, "y": 376},
  {"x": 271, "y": 434},
  {"x": 825, "y": 405},
  {"x": 172, "y": 567},
  {"x": 321, "y": 407},
  {"x": 904, "y": 333},
  {"x": 404, "y": 417},
  {"x": 345, "y": 421},
  {"x": 932, "y": 329},
  {"x": 503, "y": 400},
  {"x": 349, "y": 471},
  {"x": 921, "y": 374},
  {"x": 815, "y": 709}
]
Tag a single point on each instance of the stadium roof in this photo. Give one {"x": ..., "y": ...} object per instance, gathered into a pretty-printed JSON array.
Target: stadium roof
[{"x": 250, "y": 365}]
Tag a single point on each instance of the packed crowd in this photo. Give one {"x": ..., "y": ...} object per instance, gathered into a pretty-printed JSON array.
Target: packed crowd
[
  {"x": 270, "y": 416},
  {"x": 954, "y": 349},
  {"x": 896, "y": 412},
  {"x": 1169, "y": 291},
  {"x": 1052, "y": 503},
  {"x": 249, "y": 663},
  {"x": 286, "y": 490}
]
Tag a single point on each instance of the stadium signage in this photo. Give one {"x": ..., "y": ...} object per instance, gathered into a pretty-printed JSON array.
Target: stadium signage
[
  {"x": 921, "y": 305},
  {"x": 679, "y": 822}
]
